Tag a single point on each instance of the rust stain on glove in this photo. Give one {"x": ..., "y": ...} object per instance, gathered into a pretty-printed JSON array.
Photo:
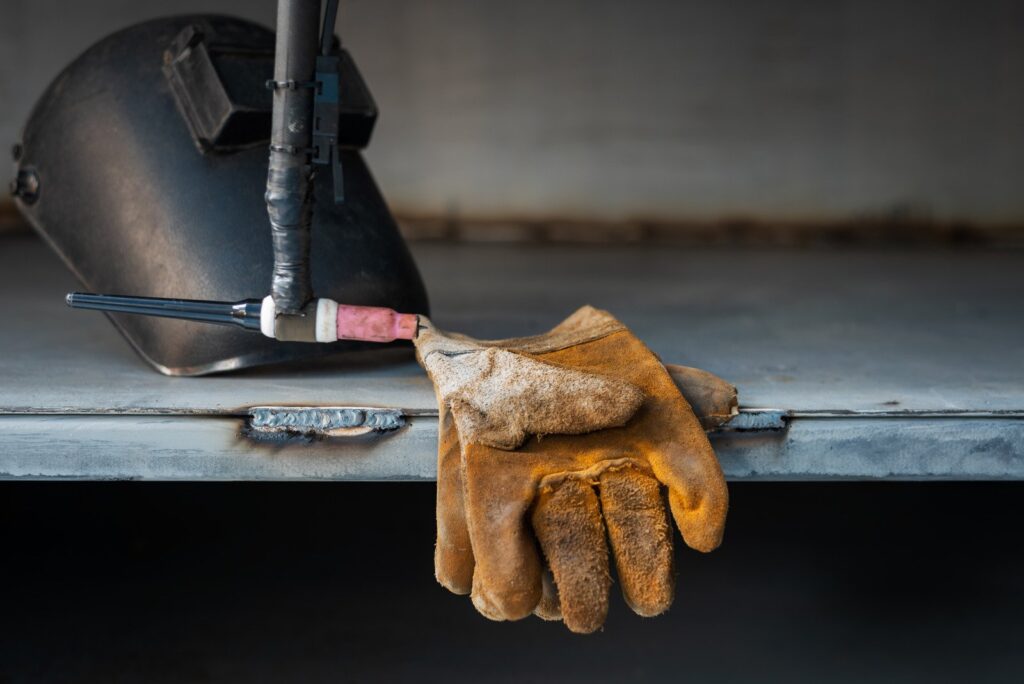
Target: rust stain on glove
[{"x": 553, "y": 451}]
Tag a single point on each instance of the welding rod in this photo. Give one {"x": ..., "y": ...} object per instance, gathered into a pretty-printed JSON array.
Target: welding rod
[{"x": 325, "y": 319}]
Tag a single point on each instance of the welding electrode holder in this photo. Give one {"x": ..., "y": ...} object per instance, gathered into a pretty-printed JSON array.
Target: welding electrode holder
[
  {"x": 304, "y": 131},
  {"x": 324, "y": 320}
]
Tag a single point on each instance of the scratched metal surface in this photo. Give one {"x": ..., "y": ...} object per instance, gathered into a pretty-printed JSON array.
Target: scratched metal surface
[
  {"x": 794, "y": 329},
  {"x": 934, "y": 340}
]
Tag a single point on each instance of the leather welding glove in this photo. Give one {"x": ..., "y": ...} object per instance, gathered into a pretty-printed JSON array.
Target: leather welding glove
[
  {"x": 529, "y": 428},
  {"x": 713, "y": 400}
]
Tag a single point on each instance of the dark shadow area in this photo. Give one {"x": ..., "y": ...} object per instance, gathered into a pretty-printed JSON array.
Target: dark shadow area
[{"x": 855, "y": 582}]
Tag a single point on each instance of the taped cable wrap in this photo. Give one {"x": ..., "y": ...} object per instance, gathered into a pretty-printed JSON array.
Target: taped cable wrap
[
  {"x": 289, "y": 194},
  {"x": 290, "y": 206}
]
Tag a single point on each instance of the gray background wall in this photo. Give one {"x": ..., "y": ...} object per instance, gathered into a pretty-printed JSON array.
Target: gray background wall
[{"x": 792, "y": 109}]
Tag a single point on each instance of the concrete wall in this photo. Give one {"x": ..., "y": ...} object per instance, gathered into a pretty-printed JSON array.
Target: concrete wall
[{"x": 817, "y": 109}]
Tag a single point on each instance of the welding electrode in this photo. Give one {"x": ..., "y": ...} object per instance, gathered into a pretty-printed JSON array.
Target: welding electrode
[{"x": 333, "y": 321}]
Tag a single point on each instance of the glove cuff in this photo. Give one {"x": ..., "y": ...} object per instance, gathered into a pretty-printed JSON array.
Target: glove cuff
[{"x": 586, "y": 324}]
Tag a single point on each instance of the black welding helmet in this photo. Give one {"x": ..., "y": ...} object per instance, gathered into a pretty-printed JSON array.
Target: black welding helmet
[{"x": 144, "y": 166}]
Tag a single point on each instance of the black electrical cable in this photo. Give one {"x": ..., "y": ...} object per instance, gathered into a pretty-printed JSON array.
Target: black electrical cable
[
  {"x": 289, "y": 194},
  {"x": 327, "y": 32}
]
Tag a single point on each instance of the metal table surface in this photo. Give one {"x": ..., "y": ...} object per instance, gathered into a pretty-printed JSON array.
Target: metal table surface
[{"x": 899, "y": 364}]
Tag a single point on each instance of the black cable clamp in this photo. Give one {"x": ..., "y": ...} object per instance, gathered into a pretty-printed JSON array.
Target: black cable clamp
[
  {"x": 292, "y": 149},
  {"x": 289, "y": 85}
]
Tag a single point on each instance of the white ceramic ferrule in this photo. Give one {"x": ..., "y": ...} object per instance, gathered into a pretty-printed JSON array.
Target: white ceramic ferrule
[
  {"x": 326, "y": 320},
  {"x": 267, "y": 314}
]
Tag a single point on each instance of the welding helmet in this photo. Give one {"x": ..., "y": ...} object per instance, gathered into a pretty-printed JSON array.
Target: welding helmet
[{"x": 144, "y": 165}]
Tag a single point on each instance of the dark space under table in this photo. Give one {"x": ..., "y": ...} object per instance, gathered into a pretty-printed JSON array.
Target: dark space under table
[{"x": 333, "y": 582}]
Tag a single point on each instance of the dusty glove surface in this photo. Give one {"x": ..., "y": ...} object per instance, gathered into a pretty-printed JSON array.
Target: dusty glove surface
[{"x": 551, "y": 447}]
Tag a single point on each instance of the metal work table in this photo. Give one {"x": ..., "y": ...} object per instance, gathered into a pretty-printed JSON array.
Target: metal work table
[{"x": 873, "y": 363}]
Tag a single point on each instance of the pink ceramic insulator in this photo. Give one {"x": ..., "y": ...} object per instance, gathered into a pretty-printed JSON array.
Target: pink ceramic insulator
[{"x": 374, "y": 324}]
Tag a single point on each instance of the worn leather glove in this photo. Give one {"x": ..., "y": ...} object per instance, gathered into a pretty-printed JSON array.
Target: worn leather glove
[{"x": 529, "y": 428}]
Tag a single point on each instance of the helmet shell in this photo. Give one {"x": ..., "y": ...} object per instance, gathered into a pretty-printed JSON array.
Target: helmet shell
[{"x": 134, "y": 204}]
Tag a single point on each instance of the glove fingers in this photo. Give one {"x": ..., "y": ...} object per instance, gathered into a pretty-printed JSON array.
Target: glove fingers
[
  {"x": 568, "y": 525},
  {"x": 641, "y": 539},
  {"x": 548, "y": 608},
  {"x": 697, "y": 492},
  {"x": 507, "y": 574},
  {"x": 453, "y": 555},
  {"x": 712, "y": 399}
]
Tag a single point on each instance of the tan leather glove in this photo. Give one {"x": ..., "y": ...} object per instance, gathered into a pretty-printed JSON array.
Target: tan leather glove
[{"x": 528, "y": 429}]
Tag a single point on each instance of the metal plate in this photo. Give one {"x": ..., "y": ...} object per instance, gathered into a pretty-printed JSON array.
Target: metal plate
[{"x": 917, "y": 374}]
